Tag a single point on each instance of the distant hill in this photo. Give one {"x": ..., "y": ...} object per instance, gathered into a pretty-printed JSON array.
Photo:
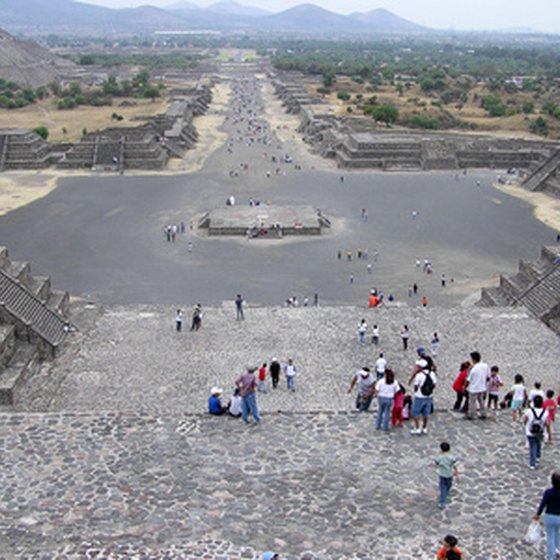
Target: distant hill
[
  {"x": 68, "y": 17},
  {"x": 381, "y": 19}
]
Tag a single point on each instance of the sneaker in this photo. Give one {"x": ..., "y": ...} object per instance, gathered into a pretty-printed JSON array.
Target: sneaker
[
  {"x": 424, "y": 430},
  {"x": 532, "y": 467},
  {"x": 415, "y": 431}
]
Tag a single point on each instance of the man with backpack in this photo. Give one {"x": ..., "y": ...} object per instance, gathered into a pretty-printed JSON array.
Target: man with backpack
[
  {"x": 424, "y": 384},
  {"x": 536, "y": 421}
]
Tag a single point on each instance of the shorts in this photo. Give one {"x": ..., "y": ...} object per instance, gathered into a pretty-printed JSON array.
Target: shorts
[
  {"x": 421, "y": 406},
  {"x": 516, "y": 404},
  {"x": 492, "y": 397}
]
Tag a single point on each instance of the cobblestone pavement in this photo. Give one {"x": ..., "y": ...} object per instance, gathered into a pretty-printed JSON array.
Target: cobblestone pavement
[
  {"x": 133, "y": 485},
  {"x": 123, "y": 462}
]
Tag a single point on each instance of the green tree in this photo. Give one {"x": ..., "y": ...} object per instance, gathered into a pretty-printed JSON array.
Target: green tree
[
  {"x": 539, "y": 126},
  {"x": 343, "y": 96},
  {"x": 42, "y": 131},
  {"x": 86, "y": 60},
  {"x": 151, "y": 92},
  {"x": 528, "y": 107},
  {"x": 385, "y": 113}
]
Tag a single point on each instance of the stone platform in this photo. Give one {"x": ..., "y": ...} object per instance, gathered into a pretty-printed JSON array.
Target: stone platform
[{"x": 264, "y": 221}]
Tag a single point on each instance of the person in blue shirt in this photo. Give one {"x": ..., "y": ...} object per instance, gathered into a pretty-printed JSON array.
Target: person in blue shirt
[{"x": 214, "y": 403}]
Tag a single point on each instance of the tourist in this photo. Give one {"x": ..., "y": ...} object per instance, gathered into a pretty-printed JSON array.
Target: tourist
[
  {"x": 398, "y": 407},
  {"x": 447, "y": 464},
  {"x": 214, "y": 403},
  {"x": 449, "y": 550},
  {"x": 476, "y": 386},
  {"x": 262, "y": 386},
  {"x": 518, "y": 396},
  {"x": 536, "y": 423},
  {"x": 550, "y": 504},
  {"x": 234, "y": 405},
  {"x": 366, "y": 384},
  {"x": 405, "y": 336},
  {"x": 415, "y": 287},
  {"x": 196, "y": 317},
  {"x": 290, "y": 373},
  {"x": 178, "y": 320},
  {"x": 380, "y": 366},
  {"x": 274, "y": 369},
  {"x": 385, "y": 389},
  {"x": 435, "y": 344},
  {"x": 375, "y": 335},
  {"x": 424, "y": 384},
  {"x": 493, "y": 384},
  {"x": 239, "y": 307},
  {"x": 362, "y": 331},
  {"x": 424, "y": 301},
  {"x": 443, "y": 281},
  {"x": 247, "y": 384},
  {"x": 460, "y": 389},
  {"x": 550, "y": 406},
  {"x": 535, "y": 391},
  {"x": 351, "y": 278}
]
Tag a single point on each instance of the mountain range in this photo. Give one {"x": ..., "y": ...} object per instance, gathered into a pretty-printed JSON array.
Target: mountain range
[{"x": 68, "y": 17}]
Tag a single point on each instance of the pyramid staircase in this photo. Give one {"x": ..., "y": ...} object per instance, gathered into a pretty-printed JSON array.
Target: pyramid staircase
[
  {"x": 536, "y": 286},
  {"x": 33, "y": 323}
]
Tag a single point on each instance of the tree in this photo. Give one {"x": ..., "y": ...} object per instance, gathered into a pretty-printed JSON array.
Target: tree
[
  {"x": 42, "y": 131},
  {"x": 55, "y": 88},
  {"x": 539, "y": 126},
  {"x": 86, "y": 60},
  {"x": 329, "y": 77},
  {"x": 150, "y": 92},
  {"x": 343, "y": 96},
  {"x": 385, "y": 113}
]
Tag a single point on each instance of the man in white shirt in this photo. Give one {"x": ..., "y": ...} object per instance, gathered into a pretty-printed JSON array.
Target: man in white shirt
[
  {"x": 366, "y": 383},
  {"x": 476, "y": 386},
  {"x": 380, "y": 366},
  {"x": 422, "y": 404}
]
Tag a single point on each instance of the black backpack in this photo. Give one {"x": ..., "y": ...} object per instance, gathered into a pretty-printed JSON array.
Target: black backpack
[
  {"x": 537, "y": 428},
  {"x": 428, "y": 386}
]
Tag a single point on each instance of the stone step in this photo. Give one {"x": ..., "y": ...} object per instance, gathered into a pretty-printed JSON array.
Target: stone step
[
  {"x": 41, "y": 287},
  {"x": 7, "y": 344},
  {"x": 23, "y": 364}
]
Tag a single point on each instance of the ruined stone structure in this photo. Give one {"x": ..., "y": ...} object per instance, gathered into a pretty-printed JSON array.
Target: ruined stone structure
[
  {"x": 546, "y": 177},
  {"x": 24, "y": 149},
  {"x": 148, "y": 146},
  {"x": 536, "y": 286},
  {"x": 264, "y": 222},
  {"x": 33, "y": 323},
  {"x": 294, "y": 96}
]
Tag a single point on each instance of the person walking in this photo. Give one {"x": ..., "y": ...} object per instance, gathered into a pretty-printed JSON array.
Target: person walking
[
  {"x": 239, "y": 307},
  {"x": 459, "y": 388},
  {"x": 178, "y": 320},
  {"x": 196, "y": 317},
  {"x": 375, "y": 335},
  {"x": 405, "y": 336},
  {"x": 362, "y": 331},
  {"x": 550, "y": 504},
  {"x": 290, "y": 373},
  {"x": 380, "y": 366},
  {"x": 447, "y": 469},
  {"x": 274, "y": 369},
  {"x": 247, "y": 384},
  {"x": 425, "y": 381},
  {"x": 366, "y": 383},
  {"x": 476, "y": 386},
  {"x": 385, "y": 389},
  {"x": 536, "y": 423}
]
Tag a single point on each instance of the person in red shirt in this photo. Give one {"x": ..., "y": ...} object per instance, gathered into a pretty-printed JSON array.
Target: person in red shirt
[
  {"x": 262, "y": 386},
  {"x": 449, "y": 550},
  {"x": 550, "y": 405},
  {"x": 459, "y": 387}
]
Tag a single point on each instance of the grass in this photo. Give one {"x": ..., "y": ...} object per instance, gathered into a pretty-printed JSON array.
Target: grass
[{"x": 45, "y": 113}]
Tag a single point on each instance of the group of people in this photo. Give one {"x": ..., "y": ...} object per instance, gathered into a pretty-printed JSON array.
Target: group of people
[
  {"x": 196, "y": 318},
  {"x": 243, "y": 402}
]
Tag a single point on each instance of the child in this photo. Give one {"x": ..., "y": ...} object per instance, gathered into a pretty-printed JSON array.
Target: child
[
  {"x": 449, "y": 549},
  {"x": 459, "y": 388},
  {"x": 262, "y": 386},
  {"x": 519, "y": 397},
  {"x": 234, "y": 405},
  {"x": 435, "y": 344},
  {"x": 375, "y": 335},
  {"x": 447, "y": 469},
  {"x": 398, "y": 404},
  {"x": 536, "y": 391},
  {"x": 407, "y": 405},
  {"x": 493, "y": 384},
  {"x": 550, "y": 406}
]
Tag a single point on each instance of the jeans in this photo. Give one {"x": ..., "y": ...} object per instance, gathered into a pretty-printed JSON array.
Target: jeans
[
  {"x": 240, "y": 315},
  {"x": 363, "y": 403},
  {"x": 384, "y": 413},
  {"x": 444, "y": 488},
  {"x": 552, "y": 526},
  {"x": 534, "y": 449},
  {"x": 249, "y": 405},
  {"x": 291, "y": 380},
  {"x": 362, "y": 337}
]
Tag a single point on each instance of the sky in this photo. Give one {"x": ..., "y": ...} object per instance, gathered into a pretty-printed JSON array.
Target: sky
[{"x": 540, "y": 15}]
